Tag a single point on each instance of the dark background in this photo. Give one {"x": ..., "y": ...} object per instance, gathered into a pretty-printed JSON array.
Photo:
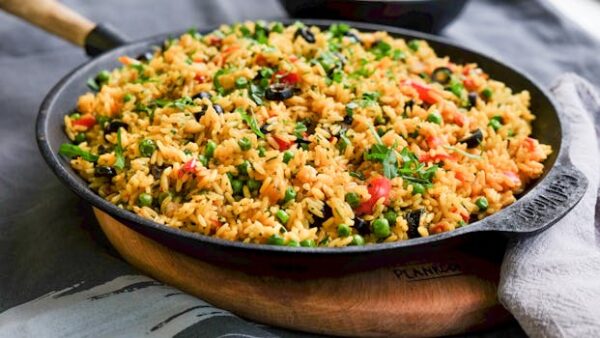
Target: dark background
[{"x": 48, "y": 238}]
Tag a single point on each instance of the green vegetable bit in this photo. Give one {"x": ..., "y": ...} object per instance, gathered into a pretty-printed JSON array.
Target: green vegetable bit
[
  {"x": 309, "y": 243},
  {"x": 163, "y": 196},
  {"x": 390, "y": 216},
  {"x": 353, "y": 199},
  {"x": 145, "y": 200},
  {"x": 71, "y": 150},
  {"x": 209, "y": 151},
  {"x": 251, "y": 122},
  {"x": 357, "y": 240},
  {"x": 350, "y": 107},
  {"x": 277, "y": 27},
  {"x": 243, "y": 168},
  {"x": 495, "y": 123},
  {"x": 75, "y": 116},
  {"x": 241, "y": 82},
  {"x": 80, "y": 138},
  {"x": 262, "y": 152},
  {"x": 290, "y": 195},
  {"x": 487, "y": 93},
  {"x": 381, "y": 228},
  {"x": 482, "y": 203},
  {"x": 120, "y": 158},
  {"x": 418, "y": 188},
  {"x": 237, "y": 186},
  {"x": 413, "y": 45},
  {"x": 293, "y": 243},
  {"x": 276, "y": 240},
  {"x": 282, "y": 216},
  {"x": 203, "y": 160},
  {"x": 127, "y": 97},
  {"x": 344, "y": 230},
  {"x": 381, "y": 50},
  {"x": 434, "y": 118},
  {"x": 287, "y": 156},
  {"x": 147, "y": 147},
  {"x": 245, "y": 143},
  {"x": 253, "y": 185}
]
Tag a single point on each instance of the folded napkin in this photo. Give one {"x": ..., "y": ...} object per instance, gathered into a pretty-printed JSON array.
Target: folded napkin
[{"x": 551, "y": 282}]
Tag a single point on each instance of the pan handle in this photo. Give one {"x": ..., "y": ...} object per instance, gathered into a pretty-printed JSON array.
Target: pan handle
[
  {"x": 552, "y": 198},
  {"x": 57, "y": 19}
]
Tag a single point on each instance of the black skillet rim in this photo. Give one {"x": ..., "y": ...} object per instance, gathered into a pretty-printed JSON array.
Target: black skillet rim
[{"x": 75, "y": 183}]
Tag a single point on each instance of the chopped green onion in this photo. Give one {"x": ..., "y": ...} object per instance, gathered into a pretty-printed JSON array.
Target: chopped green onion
[
  {"x": 120, "y": 158},
  {"x": 282, "y": 216}
]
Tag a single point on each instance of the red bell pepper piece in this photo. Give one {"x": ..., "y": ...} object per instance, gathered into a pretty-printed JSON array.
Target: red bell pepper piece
[
  {"x": 283, "y": 145},
  {"x": 87, "y": 120}
]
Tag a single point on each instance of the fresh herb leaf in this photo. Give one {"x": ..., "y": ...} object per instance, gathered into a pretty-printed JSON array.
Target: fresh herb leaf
[
  {"x": 256, "y": 93},
  {"x": 381, "y": 50},
  {"x": 358, "y": 175},
  {"x": 120, "y": 159},
  {"x": 300, "y": 129},
  {"x": 71, "y": 150},
  {"x": 217, "y": 84},
  {"x": 462, "y": 152},
  {"x": 339, "y": 30},
  {"x": 251, "y": 122}
]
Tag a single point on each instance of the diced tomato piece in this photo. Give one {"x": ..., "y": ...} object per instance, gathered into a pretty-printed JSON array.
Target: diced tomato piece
[
  {"x": 378, "y": 187},
  {"x": 188, "y": 167},
  {"x": 286, "y": 78},
  {"x": 87, "y": 120},
  {"x": 460, "y": 119},
  {"x": 215, "y": 41},
  {"x": 200, "y": 78},
  {"x": 434, "y": 141},
  {"x": 470, "y": 84},
  {"x": 425, "y": 92},
  {"x": 283, "y": 145},
  {"x": 530, "y": 144},
  {"x": 459, "y": 176}
]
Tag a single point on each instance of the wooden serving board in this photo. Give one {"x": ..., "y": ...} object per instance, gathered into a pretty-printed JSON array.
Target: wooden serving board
[{"x": 435, "y": 296}]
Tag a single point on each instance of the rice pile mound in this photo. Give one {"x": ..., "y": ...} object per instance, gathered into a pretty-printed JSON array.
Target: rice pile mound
[{"x": 263, "y": 133}]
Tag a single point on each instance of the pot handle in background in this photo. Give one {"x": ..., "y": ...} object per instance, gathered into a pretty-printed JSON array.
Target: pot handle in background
[{"x": 58, "y": 19}]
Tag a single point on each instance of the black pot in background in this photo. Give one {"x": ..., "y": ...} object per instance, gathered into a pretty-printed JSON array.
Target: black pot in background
[{"x": 422, "y": 15}]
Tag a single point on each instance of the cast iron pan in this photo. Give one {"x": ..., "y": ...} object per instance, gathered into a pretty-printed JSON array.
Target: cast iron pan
[
  {"x": 545, "y": 201},
  {"x": 423, "y": 15}
]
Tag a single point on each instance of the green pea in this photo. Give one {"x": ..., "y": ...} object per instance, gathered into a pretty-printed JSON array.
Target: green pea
[
  {"x": 381, "y": 228},
  {"x": 253, "y": 185},
  {"x": 290, "y": 194},
  {"x": 287, "y": 156},
  {"x": 344, "y": 230},
  {"x": 511, "y": 133},
  {"x": 203, "y": 160},
  {"x": 434, "y": 118},
  {"x": 75, "y": 116},
  {"x": 379, "y": 119},
  {"x": 144, "y": 200},
  {"x": 413, "y": 45},
  {"x": 308, "y": 243},
  {"x": 282, "y": 216},
  {"x": 357, "y": 240},
  {"x": 127, "y": 97},
  {"x": 353, "y": 199},
  {"x": 243, "y": 168},
  {"x": 495, "y": 124},
  {"x": 418, "y": 188},
  {"x": 482, "y": 203},
  {"x": 276, "y": 240},
  {"x": 209, "y": 151},
  {"x": 245, "y": 143},
  {"x": 391, "y": 216},
  {"x": 293, "y": 243},
  {"x": 277, "y": 27},
  {"x": 102, "y": 121},
  {"x": 237, "y": 186},
  {"x": 79, "y": 138},
  {"x": 262, "y": 152},
  {"x": 147, "y": 147},
  {"x": 487, "y": 93},
  {"x": 102, "y": 77},
  {"x": 241, "y": 82},
  {"x": 461, "y": 223}
]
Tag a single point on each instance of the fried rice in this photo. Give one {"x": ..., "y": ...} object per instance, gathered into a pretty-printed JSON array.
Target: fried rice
[{"x": 295, "y": 135}]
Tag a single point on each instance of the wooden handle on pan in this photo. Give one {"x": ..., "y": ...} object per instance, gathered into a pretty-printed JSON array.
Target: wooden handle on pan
[{"x": 53, "y": 17}]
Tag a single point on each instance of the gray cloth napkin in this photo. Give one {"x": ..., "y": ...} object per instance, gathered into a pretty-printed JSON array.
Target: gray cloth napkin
[{"x": 551, "y": 282}]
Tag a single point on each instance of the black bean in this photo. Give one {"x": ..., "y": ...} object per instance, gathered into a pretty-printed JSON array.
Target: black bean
[
  {"x": 472, "y": 99},
  {"x": 202, "y": 95},
  {"x": 348, "y": 119},
  {"x": 102, "y": 149},
  {"x": 474, "y": 139},
  {"x": 114, "y": 126},
  {"x": 145, "y": 57},
  {"x": 156, "y": 171},
  {"x": 104, "y": 171},
  {"x": 408, "y": 105},
  {"x": 198, "y": 114},
  {"x": 301, "y": 140},
  {"x": 218, "y": 109},
  {"x": 361, "y": 226},
  {"x": 413, "y": 218},
  {"x": 279, "y": 92},
  {"x": 441, "y": 75},
  {"x": 264, "y": 128},
  {"x": 327, "y": 214},
  {"x": 306, "y": 34}
]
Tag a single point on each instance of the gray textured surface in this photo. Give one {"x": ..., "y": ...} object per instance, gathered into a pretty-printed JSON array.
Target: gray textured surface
[{"x": 48, "y": 239}]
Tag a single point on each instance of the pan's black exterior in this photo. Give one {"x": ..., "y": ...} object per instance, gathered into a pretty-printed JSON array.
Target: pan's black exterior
[{"x": 546, "y": 201}]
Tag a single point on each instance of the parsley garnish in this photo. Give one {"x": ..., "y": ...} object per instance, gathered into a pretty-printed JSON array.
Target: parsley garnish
[
  {"x": 256, "y": 93},
  {"x": 120, "y": 161},
  {"x": 71, "y": 150},
  {"x": 251, "y": 122},
  {"x": 381, "y": 50}
]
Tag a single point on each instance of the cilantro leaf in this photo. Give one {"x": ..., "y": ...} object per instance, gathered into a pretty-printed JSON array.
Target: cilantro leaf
[
  {"x": 251, "y": 122},
  {"x": 120, "y": 161},
  {"x": 71, "y": 150}
]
